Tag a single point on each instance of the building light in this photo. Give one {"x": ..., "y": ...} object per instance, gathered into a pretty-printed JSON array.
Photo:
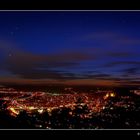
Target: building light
[
  {"x": 14, "y": 111},
  {"x": 112, "y": 95},
  {"x": 31, "y": 108},
  {"x": 40, "y": 111},
  {"x": 106, "y": 96}
]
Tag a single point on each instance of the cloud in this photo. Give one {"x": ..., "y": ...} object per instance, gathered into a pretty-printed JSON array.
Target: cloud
[
  {"x": 117, "y": 63},
  {"x": 97, "y": 76},
  {"x": 132, "y": 70},
  {"x": 63, "y": 66},
  {"x": 133, "y": 73},
  {"x": 34, "y": 66},
  {"x": 119, "y": 54},
  {"x": 129, "y": 41},
  {"x": 129, "y": 83},
  {"x": 113, "y": 37},
  {"x": 102, "y": 35}
]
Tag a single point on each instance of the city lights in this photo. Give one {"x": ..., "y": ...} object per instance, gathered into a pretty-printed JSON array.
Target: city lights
[
  {"x": 14, "y": 111},
  {"x": 40, "y": 111},
  {"x": 82, "y": 105}
]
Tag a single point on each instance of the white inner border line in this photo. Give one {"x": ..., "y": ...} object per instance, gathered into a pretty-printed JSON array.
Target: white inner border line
[
  {"x": 70, "y": 11},
  {"x": 74, "y": 10}
]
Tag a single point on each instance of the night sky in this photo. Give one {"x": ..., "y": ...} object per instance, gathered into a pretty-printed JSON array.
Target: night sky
[{"x": 50, "y": 47}]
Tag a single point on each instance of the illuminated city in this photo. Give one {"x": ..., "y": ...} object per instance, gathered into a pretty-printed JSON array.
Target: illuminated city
[{"x": 70, "y": 104}]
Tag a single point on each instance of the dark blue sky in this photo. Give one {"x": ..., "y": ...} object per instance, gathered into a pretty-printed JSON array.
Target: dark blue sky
[{"x": 97, "y": 48}]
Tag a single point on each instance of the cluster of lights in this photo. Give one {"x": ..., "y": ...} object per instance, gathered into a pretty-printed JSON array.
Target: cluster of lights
[
  {"x": 109, "y": 95},
  {"x": 13, "y": 111},
  {"x": 42, "y": 101}
]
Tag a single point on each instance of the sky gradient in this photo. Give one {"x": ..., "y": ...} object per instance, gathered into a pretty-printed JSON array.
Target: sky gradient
[{"x": 50, "y": 47}]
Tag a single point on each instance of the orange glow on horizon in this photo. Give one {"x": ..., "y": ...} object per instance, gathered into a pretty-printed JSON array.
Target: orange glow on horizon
[{"x": 20, "y": 81}]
